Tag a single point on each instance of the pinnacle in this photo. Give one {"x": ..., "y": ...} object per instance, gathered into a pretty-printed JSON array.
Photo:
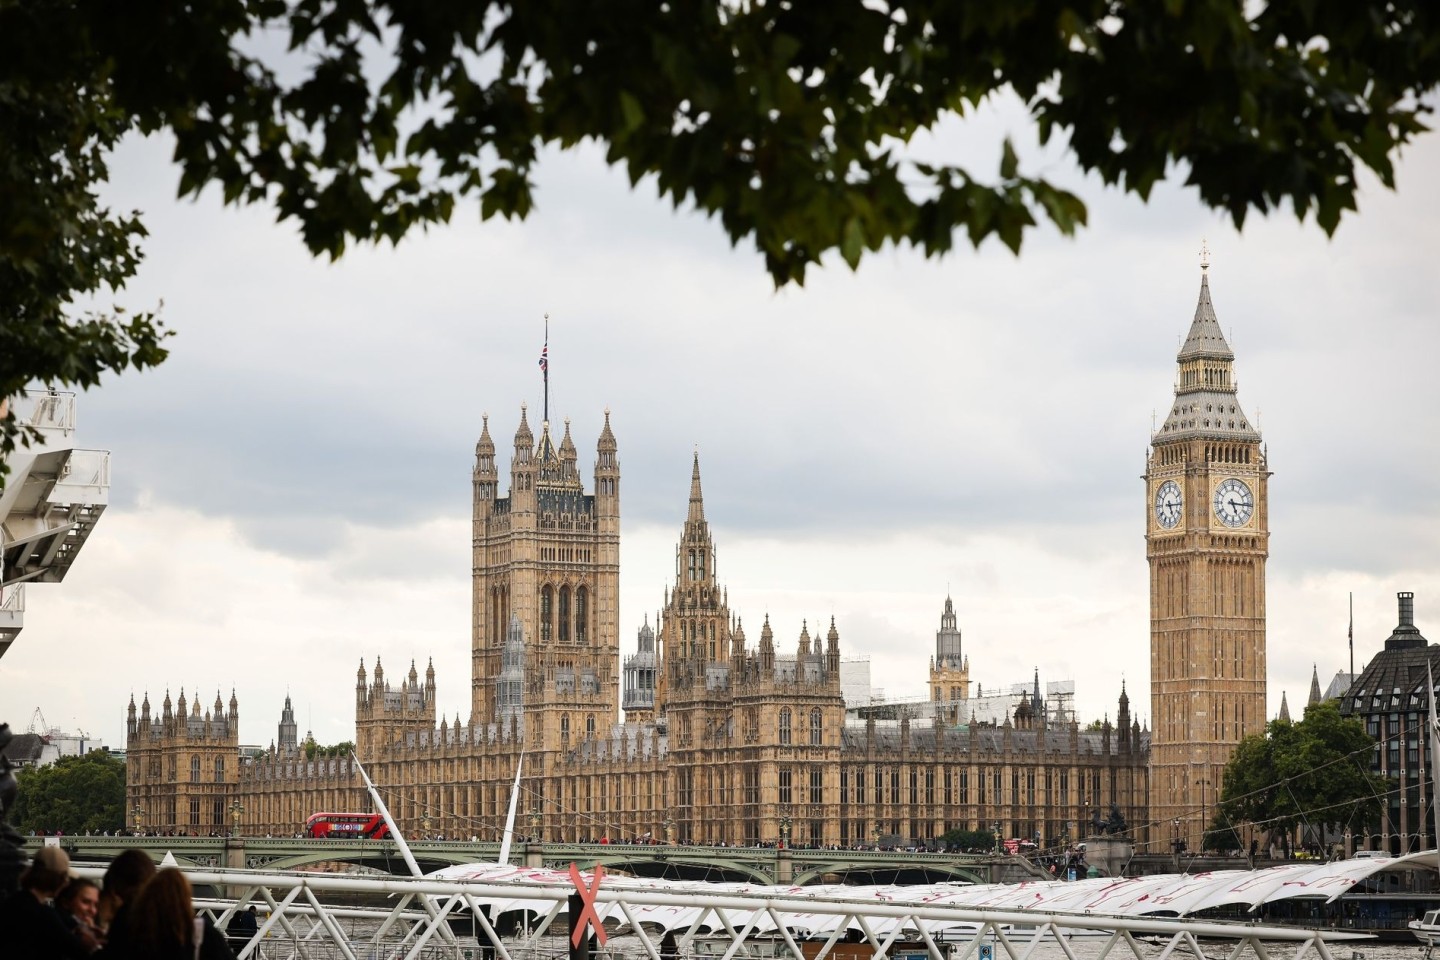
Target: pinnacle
[
  {"x": 697, "y": 499},
  {"x": 1205, "y": 338}
]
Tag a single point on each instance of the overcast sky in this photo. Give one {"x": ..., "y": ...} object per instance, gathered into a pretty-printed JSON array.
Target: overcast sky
[{"x": 291, "y": 489}]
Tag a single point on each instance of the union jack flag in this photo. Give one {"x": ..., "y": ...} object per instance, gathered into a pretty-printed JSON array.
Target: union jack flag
[{"x": 545, "y": 359}]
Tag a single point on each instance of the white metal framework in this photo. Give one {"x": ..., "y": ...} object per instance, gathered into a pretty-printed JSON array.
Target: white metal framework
[{"x": 299, "y": 922}]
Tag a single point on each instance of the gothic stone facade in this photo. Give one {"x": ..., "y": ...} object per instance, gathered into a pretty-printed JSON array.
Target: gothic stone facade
[
  {"x": 1207, "y": 539},
  {"x": 181, "y": 767},
  {"x": 727, "y": 741}
]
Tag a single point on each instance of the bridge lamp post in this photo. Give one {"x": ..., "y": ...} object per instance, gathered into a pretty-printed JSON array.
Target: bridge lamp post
[
  {"x": 1204, "y": 810},
  {"x": 535, "y": 818},
  {"x": 425, "y": 825},
  {"x": 997, "y": 838},
  {"x": 669, "y": 825},
  {"x": 136, "y": 814},
  {"x": 785, "y": 831},
  {"x": 236, "y": 809},
  {"x": 879, "y": 834}
]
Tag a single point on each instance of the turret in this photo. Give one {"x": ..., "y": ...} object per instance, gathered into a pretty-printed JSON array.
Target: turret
[
  {"x": 607, "y": 474},
  {"x": 1122, "y": 721},
  {"x": 486, "y": 475},
  {"x": 640, "y": 675},
  {"x": 430, "y": 681},
  {"x": 523, "y": 468},
  {"x": 767, "y": 650},
  {"x": 130, "y": 724},
  {"x": 287, "y": 736},
  {"x": 568, "y": 455},
  {"x": 948, "y": 651},
  {"x": 832, "y": 650}
]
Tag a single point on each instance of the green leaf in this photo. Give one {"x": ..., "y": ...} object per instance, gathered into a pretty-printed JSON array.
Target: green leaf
[
  {"x": 852, "y": 246},
  {"x": 631, "y": 111}
]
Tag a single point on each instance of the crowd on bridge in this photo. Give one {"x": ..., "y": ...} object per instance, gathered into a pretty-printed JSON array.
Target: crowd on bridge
[{"x": 136, "y": 913}]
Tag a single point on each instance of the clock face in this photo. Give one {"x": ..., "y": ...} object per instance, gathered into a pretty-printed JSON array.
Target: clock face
[
  {"x": 1168, "y": 501},
  {"x": 1234, "y": 503}
]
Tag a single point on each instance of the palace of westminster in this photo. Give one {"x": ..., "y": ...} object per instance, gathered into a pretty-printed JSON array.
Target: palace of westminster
[{"x": 728, "y": 738}]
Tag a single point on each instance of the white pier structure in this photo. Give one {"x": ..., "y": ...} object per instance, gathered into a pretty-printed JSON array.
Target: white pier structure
[
  {"x": 738, "y": 921},
  {"x": 52, "y": 497}
]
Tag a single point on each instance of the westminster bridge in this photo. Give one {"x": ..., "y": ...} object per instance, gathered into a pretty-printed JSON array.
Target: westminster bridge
[{"x": 754, "y": 864}]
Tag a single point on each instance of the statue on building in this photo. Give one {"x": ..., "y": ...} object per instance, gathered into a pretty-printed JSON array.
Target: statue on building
[{"x": 1116, "y": 824}]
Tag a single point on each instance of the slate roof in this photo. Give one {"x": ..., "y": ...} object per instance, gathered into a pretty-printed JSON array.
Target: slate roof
[
  {"x": 24, "y": 749},
  {"x": 1394, "y": 680}
]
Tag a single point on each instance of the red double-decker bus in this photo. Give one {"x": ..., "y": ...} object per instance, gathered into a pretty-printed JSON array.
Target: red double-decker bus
[{"x": 347, "y": 826}]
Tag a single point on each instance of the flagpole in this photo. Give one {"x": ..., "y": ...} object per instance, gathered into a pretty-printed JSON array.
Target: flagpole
[
  {"x": 545, "y": 368},
  {"x": 1352, "y": 636},
  {"x": 1434, "y": 759}
]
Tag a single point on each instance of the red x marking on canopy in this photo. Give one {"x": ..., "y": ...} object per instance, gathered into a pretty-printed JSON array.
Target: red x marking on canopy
[{"x": 588, "y": 916}]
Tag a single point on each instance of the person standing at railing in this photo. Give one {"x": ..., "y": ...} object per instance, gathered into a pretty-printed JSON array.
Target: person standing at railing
[
  {"x": 31, "y": 929},
  {"x": 243, "y": 926},
  {"x": 163, "y": 925},
  {"x": 126, "y": 874},
  {"x": 77, "y": 905}
]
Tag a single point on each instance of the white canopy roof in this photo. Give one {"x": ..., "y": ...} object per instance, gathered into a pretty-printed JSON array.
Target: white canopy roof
[{"x": 1178, "y": 894}]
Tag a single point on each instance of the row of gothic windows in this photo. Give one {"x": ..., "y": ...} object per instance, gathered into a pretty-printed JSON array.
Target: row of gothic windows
[
  {"x": 564, "y": 617},
  {"x": 195, "y": 769},
  {"x": 791, "y": 793},
  {"x": 565, "y": 725},
  {"x": 817, "y": 727}
]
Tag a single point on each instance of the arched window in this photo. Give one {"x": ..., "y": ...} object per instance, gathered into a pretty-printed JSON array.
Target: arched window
[
  {"x": 564, "y": 614},
  {"x": 582, "y": 614},
  {"x": 785, "y": 726},
  {"x": 219, "y": 769},
  {"x": 195, "y": 769},
  {"x": 817, "y": 728},
  {"x": 590, "y": 723},
  {"x": 547, "y": 612},
  {"x": 564, "y": 727}
]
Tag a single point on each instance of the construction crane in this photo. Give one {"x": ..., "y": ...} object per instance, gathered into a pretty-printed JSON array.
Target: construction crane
[{"x": 38, "y": 724}]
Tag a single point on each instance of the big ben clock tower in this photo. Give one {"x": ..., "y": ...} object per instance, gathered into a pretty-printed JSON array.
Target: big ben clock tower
[{"x": 1207, "y": 537}]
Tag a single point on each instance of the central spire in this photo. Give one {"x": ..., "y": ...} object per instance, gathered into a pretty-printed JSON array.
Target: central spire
[{"x": 697, "y": 500}]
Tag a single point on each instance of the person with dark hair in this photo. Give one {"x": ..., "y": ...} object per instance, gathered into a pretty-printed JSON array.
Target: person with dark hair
[
  {"x": 162, "y": 925},
  {"x": 31, "y": 928},
  {"x": 78, "y": 904},
  {"x": 123, "y": 879}
]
